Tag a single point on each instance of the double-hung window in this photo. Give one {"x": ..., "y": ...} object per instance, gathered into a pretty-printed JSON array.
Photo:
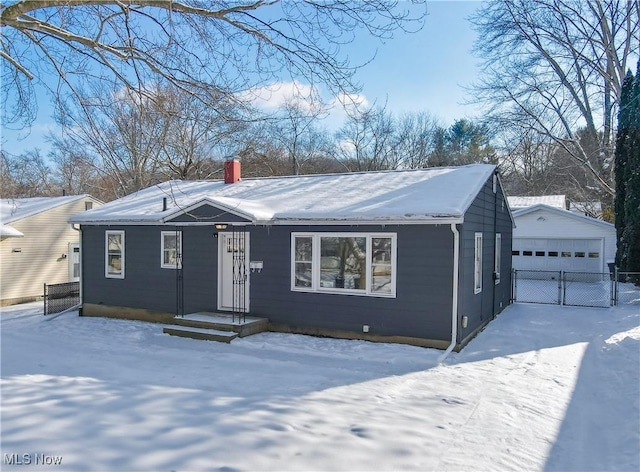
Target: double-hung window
[
  {"x": 477, "y": 264},
  {"x": 171, "y": 250},
  {"x": 351, "y": 263},
  {"x": 114, "y": 254}
]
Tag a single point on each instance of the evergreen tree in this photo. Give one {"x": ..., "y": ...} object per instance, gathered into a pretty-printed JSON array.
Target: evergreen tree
[
  {"x": 631, "y": 233},
  {"x": 623, "y": 145}
]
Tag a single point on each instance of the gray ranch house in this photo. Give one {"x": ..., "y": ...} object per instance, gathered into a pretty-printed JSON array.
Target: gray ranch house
[{"x": 412, "y": 256}]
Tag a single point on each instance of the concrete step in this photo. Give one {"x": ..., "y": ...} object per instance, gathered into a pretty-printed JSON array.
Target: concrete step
[
  {"x": 223, "y": 322},
  {"x": 206, "y": 334}
]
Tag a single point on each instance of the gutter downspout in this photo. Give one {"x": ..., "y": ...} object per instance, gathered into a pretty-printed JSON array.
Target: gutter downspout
[
  {"x": 79, "y": 230},
  {"x": 454, "y": 304}
]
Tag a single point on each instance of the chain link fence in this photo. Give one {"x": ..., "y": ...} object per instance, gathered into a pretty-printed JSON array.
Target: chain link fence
[
  {"x": 574, "y": 288},
  {"x": 59, "y": 297},
  {"x": 627, "y": 289}
]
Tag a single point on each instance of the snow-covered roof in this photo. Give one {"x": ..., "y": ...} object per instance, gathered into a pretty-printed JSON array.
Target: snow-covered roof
[
  {"x": 442, "y": 193},
  {"x": 14, "y": 209},
  {"x": 556, "y": 201}
]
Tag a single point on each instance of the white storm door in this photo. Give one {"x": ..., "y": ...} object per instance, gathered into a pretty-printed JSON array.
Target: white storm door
[
  {"x": 74, "y": 262},
  {"x": 233, "y": 273}
]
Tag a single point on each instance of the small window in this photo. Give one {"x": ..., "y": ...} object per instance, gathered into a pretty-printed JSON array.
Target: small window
[
  {"x": 114, "y": 254},
  {"x": 594, "y": 255},
  {"x": 553, "y": 253},
  {"x": 515, "y": 253},
  {"x": 171, "y": 257},
  {"x": 527, "y": 253},
  {"x": 477, "y": 272},
  {"x": 566, "y": 254},
  {"x": 539, "y": 253},
  {"x": 88, "y": 205},
  {"x": 579, "y": 254}
]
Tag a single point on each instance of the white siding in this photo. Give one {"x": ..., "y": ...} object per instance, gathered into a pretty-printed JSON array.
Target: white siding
[
  {"x": 550, "y": 225},
  {"x": 47, "y": 236}
]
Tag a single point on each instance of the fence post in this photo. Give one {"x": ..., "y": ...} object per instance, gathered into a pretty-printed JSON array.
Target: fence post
[
  {"x": 562, "y": 288},
  {"x": 615, "y": 285},
  {"x": 44, "y": 299},
  {"x": 514, "y": 284}
]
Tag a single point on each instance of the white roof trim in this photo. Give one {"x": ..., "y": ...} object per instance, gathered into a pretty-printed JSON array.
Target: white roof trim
[
  {"x": 563, "y": 213},
  {"x": 214, "y": 202},
  {"x": 9, "y": 232}
]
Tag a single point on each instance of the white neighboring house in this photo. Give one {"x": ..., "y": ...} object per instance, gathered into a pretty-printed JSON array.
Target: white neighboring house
[
  {"x": 38, "y": 245},
  {"x": 549, "y": 238}
]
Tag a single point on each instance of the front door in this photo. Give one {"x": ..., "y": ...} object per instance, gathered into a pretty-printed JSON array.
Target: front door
[{"x": 233, "y": 276}]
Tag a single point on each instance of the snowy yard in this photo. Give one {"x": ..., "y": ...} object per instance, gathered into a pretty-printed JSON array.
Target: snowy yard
[{"x": 542, "y": 388}]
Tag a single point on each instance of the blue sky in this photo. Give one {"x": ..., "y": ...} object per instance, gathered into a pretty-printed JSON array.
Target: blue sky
[{"x": 423, "y": 71}]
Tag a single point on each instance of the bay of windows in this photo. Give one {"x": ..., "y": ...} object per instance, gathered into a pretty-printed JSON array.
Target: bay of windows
[{"x": 354, "y": 263}]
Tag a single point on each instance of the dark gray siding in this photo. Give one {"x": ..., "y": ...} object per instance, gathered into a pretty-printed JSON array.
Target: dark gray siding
[
  {"x": 146, "y": 285},
  {"x": 422, "y": 307},
  {"x": 489, "y": 215}
]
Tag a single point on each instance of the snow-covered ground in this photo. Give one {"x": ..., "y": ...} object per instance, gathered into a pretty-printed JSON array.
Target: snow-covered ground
[{"x": 541, "y": 388}]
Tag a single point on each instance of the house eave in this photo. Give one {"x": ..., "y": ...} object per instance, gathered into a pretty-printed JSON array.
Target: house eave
[{"x": 444, "y": 220}]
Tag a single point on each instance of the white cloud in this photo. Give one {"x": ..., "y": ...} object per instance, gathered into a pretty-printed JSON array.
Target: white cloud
[{"x": 273, "y": 96}]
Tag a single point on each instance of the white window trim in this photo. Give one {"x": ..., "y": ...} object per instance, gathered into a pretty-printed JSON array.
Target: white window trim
[
  {"x": 477, "y": 263},
  {"x": 315, "y": 264},
  {"x": 107, "y": 274},
  {"x": 498, "y": 257},
  {"x": 164, "y": 265}
]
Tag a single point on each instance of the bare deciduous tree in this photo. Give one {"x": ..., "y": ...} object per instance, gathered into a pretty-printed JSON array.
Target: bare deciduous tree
[
  {"x": 368, "y": 140},
  {"x": 555, "y": 67},
  {"x": 205, "y": 49}
]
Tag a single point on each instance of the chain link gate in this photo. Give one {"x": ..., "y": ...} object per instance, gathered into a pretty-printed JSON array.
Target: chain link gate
[{"x": 564, "y": 288}]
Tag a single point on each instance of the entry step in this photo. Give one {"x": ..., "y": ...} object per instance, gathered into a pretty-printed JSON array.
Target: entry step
[{"x": 206, "y": 334}]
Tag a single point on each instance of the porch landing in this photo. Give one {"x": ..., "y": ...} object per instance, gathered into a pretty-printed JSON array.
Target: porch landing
[{"x": 214, "y": 326}]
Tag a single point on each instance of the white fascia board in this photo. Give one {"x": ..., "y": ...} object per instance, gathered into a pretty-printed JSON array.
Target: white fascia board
[
  {"x": 282, "y": 222},
  {"x": 211, "y": 202},
  {"x": 373, "y": 222},
  {"x": 563, "y": 213}
]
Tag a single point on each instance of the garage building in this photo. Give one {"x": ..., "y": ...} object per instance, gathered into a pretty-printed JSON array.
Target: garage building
[{"x": 548, "y": 238}]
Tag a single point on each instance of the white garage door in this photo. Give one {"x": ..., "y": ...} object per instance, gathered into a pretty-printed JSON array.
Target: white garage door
[{"x": 571, "y": 255}]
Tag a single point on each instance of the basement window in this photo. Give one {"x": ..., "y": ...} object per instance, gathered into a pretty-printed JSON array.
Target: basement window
[
  {"x": 114, "y": 254},
  {"x": 349, "y": 263}
]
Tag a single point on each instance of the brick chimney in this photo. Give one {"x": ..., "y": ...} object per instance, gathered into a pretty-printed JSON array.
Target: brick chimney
[{"x": 231, "y": 171}]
